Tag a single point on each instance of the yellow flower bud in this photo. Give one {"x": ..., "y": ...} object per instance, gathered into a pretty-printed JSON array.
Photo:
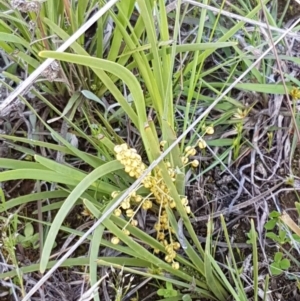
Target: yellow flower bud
[
  {"x": 175, "y": 265},
  {"x": 165, "y": 226},
  {"x": 168, "y": 258},
  {"x": 195, "y": 163},
  {"x": 188, "y": 209},
  {"x": 172, "y": 205},
  {"x": 117, "y": 212},
  {"x": 160, "y": 236},
  {"x": 157, "y": 227},
  {"x": 124, "y": 146},
  {"x": 202, "y": 144},
  {"x": 168, "y": 164},
  {"x": 156, "y": 251},
  {"x": 126, "y": 232},
  {"x": 134, "y": 222},
  {"x": 192, "y": 152},
  {"x": 163, "y": 143},
  {"x": 117, "y": 149},
  {"x": 169, "y": 249},
  {"x": 138, "y": 198},
  {"x": 184, "y": 201},
  {"x": 127, "y": 169},
  {"x": 129, "y": 212},
  {"x": 176, "y": 245},
  {"x": 115, "y": 194},
  {"x": 125, "y": 204},
  {"x": 147, "y": 205},
  {"x": 210, "y": 130},
  {"x": 132, "y": 194},
  {"x": 187, "y": 149},
  {"x": 184, "y": 160},
  {"x": 115, "y": 240}
]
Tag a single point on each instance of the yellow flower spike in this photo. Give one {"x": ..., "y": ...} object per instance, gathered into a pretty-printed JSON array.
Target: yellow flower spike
[
  {"x": 132, "y": 174},
  {"x": 295, "y": 93},
  {"x": 188, "y": 209},
  {"x": 129, "y": 212},
  {"x": 210, "y": 130},
  {"x": 117, "y": 212},
  {"x": 134, "y": 223},
  {"x": 115, "y": 240},
  {"x": 202, "y": 144},
  {"x": 195, "y": 163},
  {"x": 175, "y": 265}
]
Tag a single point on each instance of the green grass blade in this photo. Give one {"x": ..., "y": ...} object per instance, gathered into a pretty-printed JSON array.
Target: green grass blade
[
  {"x": 95, "y": 245},
  {"x": 31, "y": 198},
  {"x": 68, "y": 204}
]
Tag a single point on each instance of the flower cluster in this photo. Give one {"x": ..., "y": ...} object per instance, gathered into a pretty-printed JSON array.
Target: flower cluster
[
  {"x": 130, "y": 159},
  {"x": 189, "y": 152},
  {"x": 159, "y": 192},
  {"x": 125, "y": 207}
]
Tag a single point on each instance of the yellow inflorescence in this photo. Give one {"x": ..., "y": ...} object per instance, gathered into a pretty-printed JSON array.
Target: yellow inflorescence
[
  {"x": 134, "y": 166},
  {"x": 130, "y": 159},
  {"x": 295, "y": 93}
]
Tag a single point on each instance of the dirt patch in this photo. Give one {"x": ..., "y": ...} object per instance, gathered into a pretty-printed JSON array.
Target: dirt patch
[{"x": 292, "y": 11}]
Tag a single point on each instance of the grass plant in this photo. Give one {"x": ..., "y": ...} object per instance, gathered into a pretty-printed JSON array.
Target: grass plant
[{"x": 114, "y": 102}]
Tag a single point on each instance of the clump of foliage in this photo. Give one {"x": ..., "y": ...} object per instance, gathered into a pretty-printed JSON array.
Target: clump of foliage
[{"x": 127, "y": 80}]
